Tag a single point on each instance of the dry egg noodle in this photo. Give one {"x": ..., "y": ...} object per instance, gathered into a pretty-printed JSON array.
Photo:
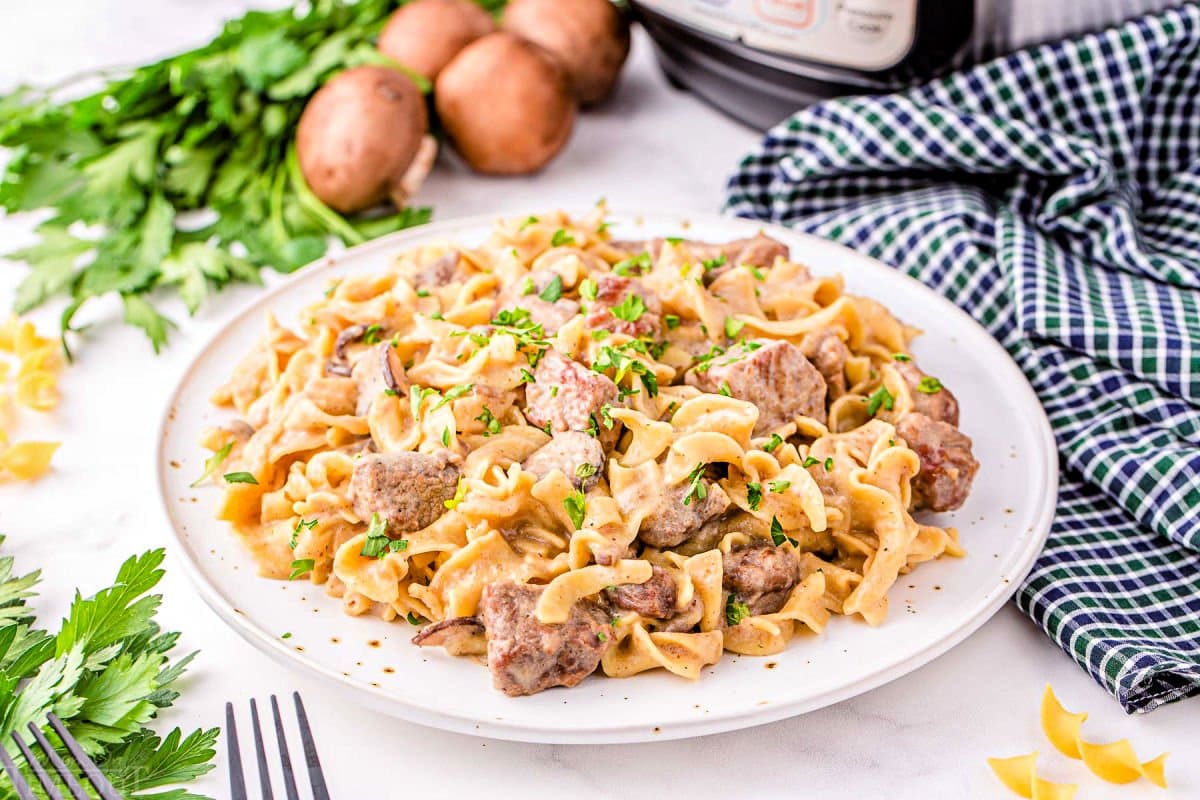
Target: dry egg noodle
[
  {"x": 29, "y": 367},
  {"x": 659, "y": 450}
]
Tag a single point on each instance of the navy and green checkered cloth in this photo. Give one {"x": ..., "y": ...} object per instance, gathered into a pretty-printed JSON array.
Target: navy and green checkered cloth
[{"x": 1053, "y": 194}]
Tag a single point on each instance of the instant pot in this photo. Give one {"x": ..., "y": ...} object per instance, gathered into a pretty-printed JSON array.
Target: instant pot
[{"x": 760, "y": 60}]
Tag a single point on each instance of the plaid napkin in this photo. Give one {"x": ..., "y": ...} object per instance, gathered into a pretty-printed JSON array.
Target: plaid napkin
[{"x": 1055, "y": 195}]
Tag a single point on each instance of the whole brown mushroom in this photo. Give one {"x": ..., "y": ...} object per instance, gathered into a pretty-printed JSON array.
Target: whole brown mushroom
[
  {"x": 590, "y": 38},
  {"x": 506, "y": 105},
  {"x": 362, "y": 139},
  {"x": 424, "y": 35}
]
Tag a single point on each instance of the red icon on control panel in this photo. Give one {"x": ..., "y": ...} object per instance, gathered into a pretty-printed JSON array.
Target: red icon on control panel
[{"x": 792, "y": 13}]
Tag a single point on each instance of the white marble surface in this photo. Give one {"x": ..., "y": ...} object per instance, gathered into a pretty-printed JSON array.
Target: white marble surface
[{"x": 926, "y": 735}]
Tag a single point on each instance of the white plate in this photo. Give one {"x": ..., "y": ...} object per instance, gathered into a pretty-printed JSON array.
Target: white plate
[{"x": 1003, "y": 527}]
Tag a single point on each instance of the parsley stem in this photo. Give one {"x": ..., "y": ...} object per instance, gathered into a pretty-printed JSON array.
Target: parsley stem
[{"x": 320, "y": 212}]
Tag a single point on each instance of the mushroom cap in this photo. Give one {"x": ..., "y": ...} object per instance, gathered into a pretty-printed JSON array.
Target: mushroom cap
[
  {"x": 590, "y": 38},
  {"x": 358, "y": 136},
  {"x": 506, "y": 104},
  {"x": 426, "y": 34}
]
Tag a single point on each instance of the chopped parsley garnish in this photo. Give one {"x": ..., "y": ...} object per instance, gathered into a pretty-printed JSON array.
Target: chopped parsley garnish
[
  {"x": 287, "y": 635},
  {"x": 422, "y": 293},
  {"x": 773, "y": 442},
  {"x": 416, "y": 396},
  {"x": 576, "y": 505},
  {"x": 880, "y": 397},
  {"x": 460, "y": 493},
  {"x": 391, "y": 392},
  {"x": 929, "y": 385},
  {"x": 636, "y": 265},
  {"x": 301, "y": 566},
  {"x": 548, "y": 429},
  {"x": 376, "y": 543},
  {"x": 710, "y": 264},
  {"x": 585, "y": 470},
  {"x": 630, "y": 309},
  {"x": 412, "y": 618},
  {"x": 779, "y": 487},
  {"x": 601, "y": 636},
  {"x": 829, "y": 464},
  {"x": 438, "y": 316},
  {"x": 696, "y": 488},
  {"x": 560, "y": 238},
  {"x": 754, "y": 494},
  {"x": 673, "y": 240},
  {"x": 672, "y": 321},
  {"x": 733, "y": 327},
  {"x": 240, "y": 477},
  {"x": 588, "y": 289},
  {"x": 553, "y": 290},
  {"x": 478, "y": 338},
  {"x": 300, "y": 523},
  {"x": 454, "y": 393},
  {"x": 445, "y": 437},
  {"x": 606, "y": 415},
  {"x": 756, "y": 272},
  {"x": 735, "y": 611},
  {"x": 777, "y": 534},
  {"x": 617, "y": 359},
  {"x": 600, "y": 334},
  {"x": 491, "y": 425},
  {"x": 371, "y": 334},
  {"x": 809, "y": 461},
  {"x": 527, "y": 287},
  {"x": 554, "y": 390},
  {"x": 530, "y": 220},
  {"x": 901, "y": 357},
  {"x": 212, "y": 462},
  {"x": 526, "y": 376},
  {"x": 725, "y": 390},
  {"x": 705, "y": 361}
]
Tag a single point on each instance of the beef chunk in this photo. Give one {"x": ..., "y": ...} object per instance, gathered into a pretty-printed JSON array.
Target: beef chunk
[
  {"x": 947, "y": 464},
  {"x": 940, "y": 405},
  {"x": 566, "y": 394},
  {"x": 614, "y": 290},
  {"x": 526, "y": 656},
  {"x": 761, "y": 576},
  {"x": 776, "y": 377},
  {"x": 577, "y": 455},
  {"x": 673, "y": 521},
  {"x": 654, "y": 599},
  {"x": 550, "y": 315},
  {"x": 407, "y": 489},
  {"x": 828, "y": 353}
]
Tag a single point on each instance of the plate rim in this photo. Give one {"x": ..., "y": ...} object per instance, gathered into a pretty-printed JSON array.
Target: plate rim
[{"x": 406, "y": 709}]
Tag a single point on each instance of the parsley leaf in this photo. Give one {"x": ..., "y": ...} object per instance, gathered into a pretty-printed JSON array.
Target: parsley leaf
[
  {"x": 630, "y": 309},
  {"x": 454, "y": 393},
  {"x": 300, "y": 524},
  {"x": 635, "y": 265},
  {"x": 240, "y": 477},
  {"x": 710, "y": 264},
  {"x": 929, "y": 385},
  {"x": 733, "y": 327},
  {"x": 212, "y": 462},
  {"x": 527, "y": 287},
  {"x": 301, "y": 567},
  {"x": 376, "y": 543},
  {"x": 576, "y": 506},
  {"x": 672, "y": 321},
  {"x": 460, "y": 494},
  {"x": 491, "y": 425},
  {"x": 553, "y": 290},
  {"x": 754, "y": 494},
  {"x": 560, "y": 238},
  {"x": 773, "y": 442},
  {"x": 530, "y": 220},
  {"x": 777, "y": 535},
  {"x": 880, "y": 397},
  {"x": 588, "y": 289},
  {"x": 735, "y": 611},
  {"x": 585, "y": 470},
  {"x": 779, "y": 487},
  {"x": 696, "y": 488},
  {"x": 901, "y": 357}
]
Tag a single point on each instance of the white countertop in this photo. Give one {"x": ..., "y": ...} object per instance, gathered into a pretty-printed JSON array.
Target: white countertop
[{"x": 925, "y": 735}]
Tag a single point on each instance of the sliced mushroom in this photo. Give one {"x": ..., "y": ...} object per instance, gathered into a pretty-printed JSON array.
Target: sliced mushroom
[
  {"x": 338, "y": 365},
  {"x": 461, "y": 636}
]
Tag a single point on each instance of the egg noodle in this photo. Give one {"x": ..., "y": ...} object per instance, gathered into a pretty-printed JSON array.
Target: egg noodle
[{"x": 831, "y": 491}]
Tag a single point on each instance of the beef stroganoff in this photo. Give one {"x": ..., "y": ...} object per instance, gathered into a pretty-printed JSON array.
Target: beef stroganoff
[{"x": 562, "y": 453}]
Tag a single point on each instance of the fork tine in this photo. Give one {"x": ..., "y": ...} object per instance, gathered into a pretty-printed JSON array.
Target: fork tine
[
  {"x": 94, "y": 776},
  {"x": 38, "y": 771},
  {"x": 289, "y": 778},
  {"x": 237, "y": 779},
  {"x": 264, "y": 770},
  {"x": 24, "y": 791},
  {"x": 64, "y": 772},
  {"x": 315, "y": 776}
]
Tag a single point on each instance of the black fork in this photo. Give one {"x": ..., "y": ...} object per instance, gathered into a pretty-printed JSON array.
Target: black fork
[
  {"x": 237, "y": 777},
  {"x": 66, "y": 774}
]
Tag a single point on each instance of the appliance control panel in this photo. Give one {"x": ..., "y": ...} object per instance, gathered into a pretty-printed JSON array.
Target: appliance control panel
[{"x": 860, "y": 34}]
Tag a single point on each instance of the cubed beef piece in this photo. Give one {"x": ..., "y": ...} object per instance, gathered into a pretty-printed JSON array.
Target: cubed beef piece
[
  {"x": 828, "y": 353},
  {"x": 526, "y": 656},
  {"x": 654, "y": 599},
  {"x": 761, "y": 576},
  {"x": 566, "y": 394},
  {"x": 407, "y": 489},
  {"x": 676, "y": 516},
  {"x": 776, "y": 377},
  {"x": 551, "y": 315},
  {"x": 947, "y": 464},
  {"x": 577, "y": 455},
  {"x": 645, "y": 318},
  {"x": 936, "y": 402}
]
